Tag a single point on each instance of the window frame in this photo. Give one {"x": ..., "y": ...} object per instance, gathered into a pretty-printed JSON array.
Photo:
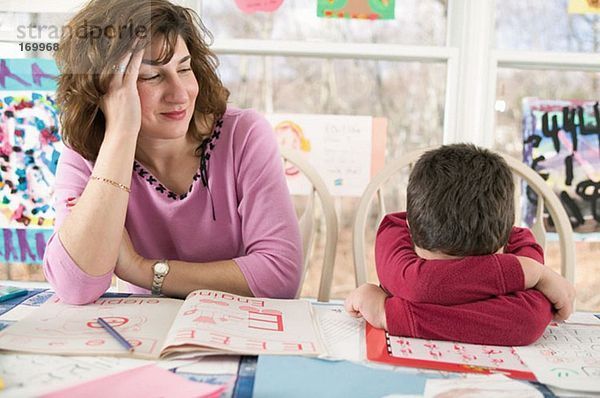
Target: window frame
[{"x": 470, "y": 56}]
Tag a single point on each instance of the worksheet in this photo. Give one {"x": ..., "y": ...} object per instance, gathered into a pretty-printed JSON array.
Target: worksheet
[
  {"x": 63, "y": 329},
  {"x": 444, "y": 355},
  {"x": 343, "y": 335},
  {"x": 225, "y": 322},
  {"x": 474, "y": 355},
  {"x": 567, "y": 356},
  {"x": 208, "y": 322}
]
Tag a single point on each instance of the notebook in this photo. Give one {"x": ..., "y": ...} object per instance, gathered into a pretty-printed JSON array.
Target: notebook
[
  {"x": 207, "y": 321},
  {"x": 444, "y": 355}
]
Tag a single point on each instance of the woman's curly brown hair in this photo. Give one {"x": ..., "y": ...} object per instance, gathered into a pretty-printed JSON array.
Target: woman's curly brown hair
[{"x": 100, "y": 35}]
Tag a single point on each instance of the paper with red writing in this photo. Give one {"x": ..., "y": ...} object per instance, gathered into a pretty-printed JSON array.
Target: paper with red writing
[
  {"x": 59, "y": 328},
  {"x": 246, "y": 325},
  {"x": 567, "y": 356},
  {"x": 444, "y": 355},
  {"x": 207, "y": 321}
]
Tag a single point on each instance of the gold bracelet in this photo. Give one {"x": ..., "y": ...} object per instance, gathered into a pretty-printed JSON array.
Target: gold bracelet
[{"x": 113, "y": 183}]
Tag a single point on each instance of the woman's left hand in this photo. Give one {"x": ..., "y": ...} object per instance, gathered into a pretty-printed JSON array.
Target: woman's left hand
[{"x": 129, "y": 261}]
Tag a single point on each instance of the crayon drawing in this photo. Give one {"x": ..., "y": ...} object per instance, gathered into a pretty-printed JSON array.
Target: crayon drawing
[
  {"x": 338, "y": 146},
  {"x": 561, "y": 141},
  {"x": 30, "y": 145},
  {"x": 356, "y": 9},
  {"x": 29, "y": 150}
]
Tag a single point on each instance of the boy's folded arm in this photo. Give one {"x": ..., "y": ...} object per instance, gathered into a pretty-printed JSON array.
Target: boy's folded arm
[
  {"x": 522, "y": 243},
  {"x": 513, "y": 319},
  {"x": 556, "y": 288},
  {"x": 404, "y": 274}
]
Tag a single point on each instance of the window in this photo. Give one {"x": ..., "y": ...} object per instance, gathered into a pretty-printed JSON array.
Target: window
[
  {"x": 441, "y": 71},
  {"x": 416, "y": 22},
  {"x": 538, "y": 25},
  {"x": 409, "y": 90},
  {"x": 545, "y": 52}
]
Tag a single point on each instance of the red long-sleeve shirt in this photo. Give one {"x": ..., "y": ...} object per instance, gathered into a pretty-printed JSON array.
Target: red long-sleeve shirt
[{"x": 475, "y": 299}]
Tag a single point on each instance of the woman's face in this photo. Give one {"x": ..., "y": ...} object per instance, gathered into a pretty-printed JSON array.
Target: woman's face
[{"x": 167, "y": 92}]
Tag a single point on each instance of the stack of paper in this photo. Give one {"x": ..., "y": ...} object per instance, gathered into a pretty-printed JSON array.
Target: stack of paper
[{"x": 567, "y": 356}]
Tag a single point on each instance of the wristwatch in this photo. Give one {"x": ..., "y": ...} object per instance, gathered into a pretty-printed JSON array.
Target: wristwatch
[{"x": 160, "y": 269}]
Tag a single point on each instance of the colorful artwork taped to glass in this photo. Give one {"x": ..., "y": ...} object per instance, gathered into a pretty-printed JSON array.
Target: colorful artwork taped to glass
[
  {"x": 30, "y": 145},
  {"x": 562, "y": 143},
  {"x": 356, "y": 9}
]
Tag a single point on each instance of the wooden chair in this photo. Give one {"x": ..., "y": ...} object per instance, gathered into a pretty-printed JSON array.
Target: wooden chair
[
  {"x": 308, "y": 226},
  {"x": 546, "y": 197}
]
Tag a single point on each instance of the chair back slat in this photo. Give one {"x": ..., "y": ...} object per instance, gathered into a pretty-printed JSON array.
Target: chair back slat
[
  {"x": 538, "y": 229},
  {"x": 308, "y": 226}
]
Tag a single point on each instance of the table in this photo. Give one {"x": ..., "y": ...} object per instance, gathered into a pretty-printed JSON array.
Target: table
[{"x": 300, "y": 375}]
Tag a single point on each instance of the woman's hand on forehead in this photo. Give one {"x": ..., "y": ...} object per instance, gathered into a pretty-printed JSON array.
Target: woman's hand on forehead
[{"x": 121, "y": 104}]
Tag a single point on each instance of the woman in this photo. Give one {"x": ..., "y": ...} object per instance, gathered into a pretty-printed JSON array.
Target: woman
[{"x": 161, "y": 182}]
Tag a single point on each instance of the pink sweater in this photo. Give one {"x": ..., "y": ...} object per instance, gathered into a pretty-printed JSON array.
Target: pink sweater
[
  {"x": 476, "y": 299},
  {"x": 255, "y": 224}
]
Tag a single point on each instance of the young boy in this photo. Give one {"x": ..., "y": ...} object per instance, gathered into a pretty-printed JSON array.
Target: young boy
[{"x": 453, "y": 267}]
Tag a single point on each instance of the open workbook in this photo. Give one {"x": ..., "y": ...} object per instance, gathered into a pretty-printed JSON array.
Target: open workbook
[{"x": 206, "y": 322}]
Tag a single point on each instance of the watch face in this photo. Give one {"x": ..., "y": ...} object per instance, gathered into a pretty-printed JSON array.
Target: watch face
[{"x": 161, "y": 268}]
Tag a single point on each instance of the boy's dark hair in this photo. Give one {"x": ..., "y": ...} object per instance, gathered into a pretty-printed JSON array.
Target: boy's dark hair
[{"x": 460, "y": 201}]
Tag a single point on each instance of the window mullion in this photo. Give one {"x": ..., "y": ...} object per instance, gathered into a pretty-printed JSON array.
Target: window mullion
[{"x": 471, "y": 30}]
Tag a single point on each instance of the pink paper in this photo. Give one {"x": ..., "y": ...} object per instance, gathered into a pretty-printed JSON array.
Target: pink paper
[
  {"x": 251, "y": 6},
  {"x": 147, "y": 381}
]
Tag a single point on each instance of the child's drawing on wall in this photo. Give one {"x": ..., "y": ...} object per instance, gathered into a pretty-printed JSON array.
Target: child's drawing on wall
[
  {"x": 290, "y": 135},
  {"x": 562, "y": 143},
  {"x": 29, "y": 151}
]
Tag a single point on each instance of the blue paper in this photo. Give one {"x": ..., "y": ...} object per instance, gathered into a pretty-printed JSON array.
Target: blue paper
[{"x": 288, "y": 376}]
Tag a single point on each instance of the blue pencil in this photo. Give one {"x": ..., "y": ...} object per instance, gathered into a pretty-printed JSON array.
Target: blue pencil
[{"x": 115, "y": 334}]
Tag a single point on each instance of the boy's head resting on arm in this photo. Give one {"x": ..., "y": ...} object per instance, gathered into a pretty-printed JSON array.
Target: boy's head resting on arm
[{"x": 460, "y": 201}]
